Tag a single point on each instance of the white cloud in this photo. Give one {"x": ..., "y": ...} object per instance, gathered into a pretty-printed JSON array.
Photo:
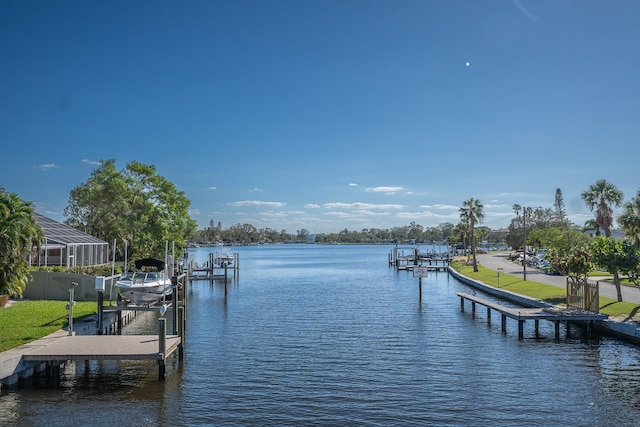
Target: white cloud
[
  {"x": 440, "y": 206},
  {"x": 257, "y": 203},
  {"x": 351, "y": 184},
  {"x": 386, "y": 190},
  {"x": 355, "y": 214},
  {"x": 312, "y": 206},
  {"x": 361, "y": 206},
  {"x": 212, "y": 188},
  {"x": 46, "y": 166},
  {"x": 426, "y": 214},
  {"x": 92, "y": 162}
]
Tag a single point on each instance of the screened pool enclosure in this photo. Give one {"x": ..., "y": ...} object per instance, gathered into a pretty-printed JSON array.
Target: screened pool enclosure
[{"x": 68, "y": 247}]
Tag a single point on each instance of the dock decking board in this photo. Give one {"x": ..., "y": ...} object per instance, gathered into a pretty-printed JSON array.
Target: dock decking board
[{"x": 105, "y": 347}]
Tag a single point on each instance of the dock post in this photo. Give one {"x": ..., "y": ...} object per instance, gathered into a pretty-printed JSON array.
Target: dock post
[
  {"x": 420, "y": 289},
  {"x": 473, "y": 307},
  {"x": 557, "y": 325},
  {"x": 462, "y": 304},
  {"x": 55, "y": 374},
  {"x": 174, "y": 303},
  {"x": 162, "y": 347},
  {"x": 181, "y": 332},
  {"x": 520, "y": 329},
  {"x": 236, "y": 263},
  {"x": 184, "y": 294},
  {"x": 100, "y": 312},
  {"x": 488, "y": 315},
  {"x": 537, "y": 327},
  {"x": 504, "y": 322},
  {"x": 120, "y": 303}
]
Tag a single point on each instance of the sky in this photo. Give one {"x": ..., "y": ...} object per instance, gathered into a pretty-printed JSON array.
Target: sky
[{"x": 325, "y": 115}]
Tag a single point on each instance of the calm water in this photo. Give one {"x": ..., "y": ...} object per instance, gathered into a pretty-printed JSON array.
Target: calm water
[{"x": 330, "y": 335}]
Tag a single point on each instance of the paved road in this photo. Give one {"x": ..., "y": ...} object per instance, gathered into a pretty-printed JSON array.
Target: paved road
[{"x": 494, "y": 260}]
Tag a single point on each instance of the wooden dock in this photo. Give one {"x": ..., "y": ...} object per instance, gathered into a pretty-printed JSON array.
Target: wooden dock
[
  {"x": 106, "y": 347},
  {"x": 218, "y": 267},
  {"x": 51, "y": 352},
  {"x": 406, "y": 258},
  {"x": 521, "y": 314}
]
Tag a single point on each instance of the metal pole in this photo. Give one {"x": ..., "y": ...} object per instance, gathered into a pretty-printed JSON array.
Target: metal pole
[
  {"x": 71, "y": 298},
  {"x": 524, "y": 247}
]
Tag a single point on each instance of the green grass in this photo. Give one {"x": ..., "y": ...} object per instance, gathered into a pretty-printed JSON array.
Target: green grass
[
  {"x": 28, "y": 320},
  {"x": 542, "y": 291}
]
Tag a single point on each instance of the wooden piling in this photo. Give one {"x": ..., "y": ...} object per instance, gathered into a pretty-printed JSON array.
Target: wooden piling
[
  {"x": 181, "y": 332},
  {"x": 162, "y": 347},
  {"x": 100, "y": 312}
]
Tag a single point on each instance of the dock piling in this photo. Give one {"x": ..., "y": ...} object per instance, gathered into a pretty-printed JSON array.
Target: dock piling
[{"x": 162, "y": 347}]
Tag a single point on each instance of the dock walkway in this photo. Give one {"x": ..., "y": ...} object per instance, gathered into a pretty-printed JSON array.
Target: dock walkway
[
  {"x": 521, "y": 314},
  {"x": 105, "y": 347}
]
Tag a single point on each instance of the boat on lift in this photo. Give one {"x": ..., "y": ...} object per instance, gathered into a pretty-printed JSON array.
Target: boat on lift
[{"x": 143, "y": 287}]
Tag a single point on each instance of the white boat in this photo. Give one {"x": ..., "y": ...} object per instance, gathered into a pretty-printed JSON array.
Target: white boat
[
  {"x": 222, "y": 257},
  {"x": 145, "y": 288}
]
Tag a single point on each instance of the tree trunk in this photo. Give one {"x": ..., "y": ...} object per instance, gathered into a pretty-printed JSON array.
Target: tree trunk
[
  {"x": 616, "y": 281},
  {"x": 473, "y": 253}
]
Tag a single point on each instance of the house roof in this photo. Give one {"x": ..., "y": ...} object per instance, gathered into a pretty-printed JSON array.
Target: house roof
[{"x": 56, "y": 232}]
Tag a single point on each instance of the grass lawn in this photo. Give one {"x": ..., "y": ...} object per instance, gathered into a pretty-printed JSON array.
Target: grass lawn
[
  {"x": 542, "y": 291},
  {"x": 27, "y": 320}
]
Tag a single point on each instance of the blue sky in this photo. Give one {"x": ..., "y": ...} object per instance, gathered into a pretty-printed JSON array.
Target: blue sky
[{"x": 325, "y": 115}]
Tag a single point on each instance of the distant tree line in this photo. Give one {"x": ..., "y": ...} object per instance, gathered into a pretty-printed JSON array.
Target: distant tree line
[{"x": 246, "y": 234}]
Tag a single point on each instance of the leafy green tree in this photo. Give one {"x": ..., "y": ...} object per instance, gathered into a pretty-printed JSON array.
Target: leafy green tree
[
  {"x": 600, "y": 197},
  {"x": 19, "y": 235},
  {"x": 568, "y": 251},
  {"x": 446, "y": 228},
  {"x": 99, "y": 206},
  {"x": 631, "y": 267},
  {"x": 473, "y": 211},
  {"x": 629, "y": 220},
  {"x": 575, "y": 264},
  {"x": 135, "y": 205},
  {"x": 563, "y": 239},
  {"x": 615, "y": 256}
]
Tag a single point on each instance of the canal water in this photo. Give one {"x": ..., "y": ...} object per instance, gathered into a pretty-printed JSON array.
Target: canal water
[{"x": 331, "y": 335}]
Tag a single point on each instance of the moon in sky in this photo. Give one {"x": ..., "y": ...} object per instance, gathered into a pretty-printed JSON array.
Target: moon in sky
[{"x": 468, "y": 63}]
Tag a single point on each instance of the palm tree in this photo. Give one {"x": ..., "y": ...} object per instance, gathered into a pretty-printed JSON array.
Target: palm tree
[
  {"x": 464, "y": 232},
  {"x": 472, "y": 210},
  {"x": 19, "y": 234},
  {"x": 599, "y": 197},
  {"x": 630, "y": 219}
]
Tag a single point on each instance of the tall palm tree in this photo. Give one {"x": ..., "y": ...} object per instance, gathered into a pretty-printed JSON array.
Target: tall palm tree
[
  {"x": 630, "y": 219},
  {"x": 19, "y": 234},
  {"x": 600, "y": 197},
  {"x": 472, "y": 210},
  {"x": 464, "y": 232}
]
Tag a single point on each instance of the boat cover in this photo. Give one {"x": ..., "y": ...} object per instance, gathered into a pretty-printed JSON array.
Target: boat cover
[{"x": 150, "y": 262}]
